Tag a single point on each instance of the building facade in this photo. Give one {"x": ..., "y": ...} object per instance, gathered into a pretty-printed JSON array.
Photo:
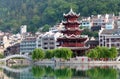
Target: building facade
[
  {"x": 86, "y": 23},
  {"x": 109, "y": 38},
  {"x": 28, "y": 44},
  {"x": 106, "y": 21},
  {"x": 49, "y": 40},
  {"x": 45, "y": 41},
  {"x": 11, "y": 50}
]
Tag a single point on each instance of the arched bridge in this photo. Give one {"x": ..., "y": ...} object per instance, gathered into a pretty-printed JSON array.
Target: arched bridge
[
  {"x": 118, "y": 58},
  {"x": 16, "y": 56}
]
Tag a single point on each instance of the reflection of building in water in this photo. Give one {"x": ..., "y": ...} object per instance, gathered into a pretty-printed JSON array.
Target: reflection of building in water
[
  {"x": 27, "y": 75},
  {"x": 11, "y": 75},
  {"x": 2, "y": 75}
]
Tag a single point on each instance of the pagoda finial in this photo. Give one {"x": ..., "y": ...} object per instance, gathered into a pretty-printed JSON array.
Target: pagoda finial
[{"x": 71, "y": 10}]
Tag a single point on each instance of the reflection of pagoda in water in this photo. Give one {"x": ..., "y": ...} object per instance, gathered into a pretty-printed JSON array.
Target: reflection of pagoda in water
[{"x": 72, "y": 37}]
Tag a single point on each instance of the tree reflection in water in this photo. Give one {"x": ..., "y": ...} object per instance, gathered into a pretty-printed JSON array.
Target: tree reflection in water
[
  {"x": 68, "y": 73},
  {"x": 65, "y": 73},
  {"x": 38, "y": 71},
  {"x": 47, "y": 72},
  {"x": 102, "y": 73}
]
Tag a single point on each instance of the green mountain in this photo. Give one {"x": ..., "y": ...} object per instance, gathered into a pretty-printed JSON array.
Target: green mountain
[{"x": 37, "y": 13}]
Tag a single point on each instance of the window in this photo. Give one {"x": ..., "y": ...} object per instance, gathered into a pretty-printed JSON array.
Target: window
[
  {"x": 45, "y": 48},
  {"x": 112, "y": 40},
  {"x": 118, "y": 44},
  {"x": 45, "y": 39},
  {"x": 107, "y": 45},
  {"x": 107, "y": 40},
  {"x": 112, "y": 45},
  {"x": 39, "y": 45},
  {"x": 51, "y": 47},
  {"x": 51, "y": 42},
  {"x": 51, "y": 39}
]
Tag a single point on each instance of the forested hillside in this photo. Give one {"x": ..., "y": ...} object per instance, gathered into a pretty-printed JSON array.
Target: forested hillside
[{"x": 37, "y": 13}]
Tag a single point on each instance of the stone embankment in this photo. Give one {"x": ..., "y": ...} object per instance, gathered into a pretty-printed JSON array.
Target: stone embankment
[
  {"x": 78, "y": 64},
  {"x": 75, "y": 61}
]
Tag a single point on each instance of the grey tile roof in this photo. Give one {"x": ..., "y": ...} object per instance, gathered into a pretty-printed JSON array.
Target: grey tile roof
[{"x": 111, "y": 31}]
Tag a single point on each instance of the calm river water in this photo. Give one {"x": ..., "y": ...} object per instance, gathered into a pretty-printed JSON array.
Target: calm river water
[{"x": 79, "y": 71}]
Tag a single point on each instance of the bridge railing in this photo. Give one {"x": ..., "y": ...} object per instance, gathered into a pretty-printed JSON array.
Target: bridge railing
[{"x": 16, "y": 55}]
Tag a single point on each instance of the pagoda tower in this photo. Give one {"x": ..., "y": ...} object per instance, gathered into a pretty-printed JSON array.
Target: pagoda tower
[{"x": 72, "y": 37}]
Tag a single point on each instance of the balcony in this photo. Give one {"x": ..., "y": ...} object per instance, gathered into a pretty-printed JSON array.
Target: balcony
[{"x": 72, "y": 45}]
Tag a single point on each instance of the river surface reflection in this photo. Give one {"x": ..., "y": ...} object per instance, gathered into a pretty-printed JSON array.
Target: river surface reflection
[{"x": 60, "y": 72}]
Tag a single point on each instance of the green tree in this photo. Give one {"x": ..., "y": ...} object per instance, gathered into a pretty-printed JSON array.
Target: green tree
[
  {"x": 90, "y": 33},
  {"x": 45, "y": 28},
  {"x": 92, "y": 54},
  {"x": 113, "y": 52},
  {"x": 64, "y": 53},
  {"x": 1, "y": 55},
  {"x": 106, "y": 52},
  {"x": 102, "y": 52},
  {"x": 38, "y": 54},
  {"x": 49, "y": 54}
]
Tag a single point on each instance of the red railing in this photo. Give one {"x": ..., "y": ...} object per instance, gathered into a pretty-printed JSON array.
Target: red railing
[{"x": 73, "y": 45}]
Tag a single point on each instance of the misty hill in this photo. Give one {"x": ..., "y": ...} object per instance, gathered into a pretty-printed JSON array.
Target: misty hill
[{"x": 37, "y": 13}]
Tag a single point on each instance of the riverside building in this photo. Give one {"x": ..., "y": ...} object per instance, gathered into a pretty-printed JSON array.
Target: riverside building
[
  {"x": 28, "y": 45},
  {"x": 109, "y": 38},
  {"x": 49, "y": 40},
  {"x": 44, "y": 41}
]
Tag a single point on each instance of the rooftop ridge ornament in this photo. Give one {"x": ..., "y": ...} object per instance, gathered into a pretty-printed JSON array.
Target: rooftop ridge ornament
[{"x": 71, "y": 12}]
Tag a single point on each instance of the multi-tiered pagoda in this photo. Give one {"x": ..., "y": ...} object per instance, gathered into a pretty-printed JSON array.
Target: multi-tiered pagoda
[{"x": 72, "y": 37}]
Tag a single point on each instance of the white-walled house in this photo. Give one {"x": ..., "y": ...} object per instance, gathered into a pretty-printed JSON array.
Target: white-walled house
[
  {"x": 28, "y": 45},
  {"x": 109, "y": 38},
  {"x": 109, "y": 25},
  {"x": 86, "y": 23},
  {"x": 49, "y": 40},
  {"x": 44, "y": 41},
  {"x": 106, "y": 21},
  {"x": 23, "y": 29}
]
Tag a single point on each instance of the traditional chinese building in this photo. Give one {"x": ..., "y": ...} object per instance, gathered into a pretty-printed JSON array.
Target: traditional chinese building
[{"x": 72, "y": 37}]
